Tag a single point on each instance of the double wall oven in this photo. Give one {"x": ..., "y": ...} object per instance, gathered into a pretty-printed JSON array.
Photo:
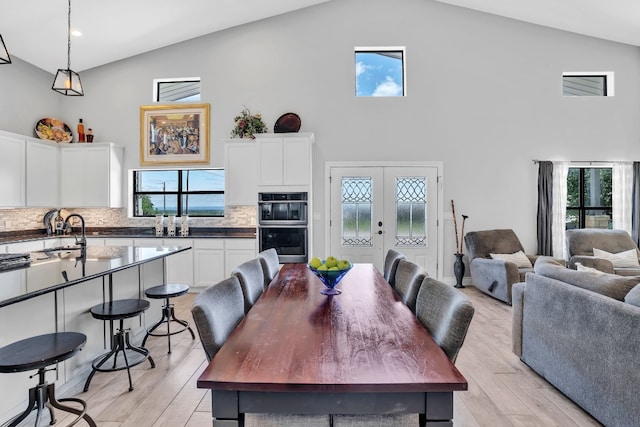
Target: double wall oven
[{"x": 283, "y": 225}]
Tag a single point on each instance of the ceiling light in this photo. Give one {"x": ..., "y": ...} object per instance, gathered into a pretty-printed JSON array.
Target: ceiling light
[
  {"x": 4, "y": 53},
  {"x": 67, "y": 81}
]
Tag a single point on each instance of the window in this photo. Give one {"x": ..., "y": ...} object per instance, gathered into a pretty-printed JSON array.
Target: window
[
  {"x": 193, "y": 192},
  {"x": 587, "y": 84},
  {"x": 176, "y": 90},
  {"x": 589, "y": 198},
  {"x": 380, "y": 71}
]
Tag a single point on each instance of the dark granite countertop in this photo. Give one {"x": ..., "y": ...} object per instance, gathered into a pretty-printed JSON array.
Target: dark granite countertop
[{"x": 133, "y": 232}]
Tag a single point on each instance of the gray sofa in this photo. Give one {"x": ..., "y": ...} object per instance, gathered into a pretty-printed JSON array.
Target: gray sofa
[
  {"x": 575, "y": 329},
  {"x": 580, "y": 244}
]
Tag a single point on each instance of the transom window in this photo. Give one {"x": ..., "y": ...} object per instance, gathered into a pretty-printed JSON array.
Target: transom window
[
  {"x": 380, "y": 71},
  {"x": 193, "y": 192},
  {"x": 589, "y": 198},
  {"x": 176, "y": 89},
  {"x": 587, "y": 84}
]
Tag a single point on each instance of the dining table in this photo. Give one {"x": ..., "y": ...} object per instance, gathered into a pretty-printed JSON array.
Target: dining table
[{"x": 362, "y": 351}]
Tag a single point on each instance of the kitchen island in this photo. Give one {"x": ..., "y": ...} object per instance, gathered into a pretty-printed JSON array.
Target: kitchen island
[{"x": 54, "y": 293}]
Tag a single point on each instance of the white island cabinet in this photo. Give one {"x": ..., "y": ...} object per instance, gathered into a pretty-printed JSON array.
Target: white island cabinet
[{"x": 91, "y": 175}]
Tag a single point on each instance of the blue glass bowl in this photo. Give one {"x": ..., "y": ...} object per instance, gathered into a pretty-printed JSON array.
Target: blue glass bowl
[{"x": 329, "y": 278}]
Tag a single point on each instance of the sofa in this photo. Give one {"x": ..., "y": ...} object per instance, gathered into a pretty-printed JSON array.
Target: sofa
[
  {"x": 580, "y": 331},
  {"x": 582, "y": 242}
]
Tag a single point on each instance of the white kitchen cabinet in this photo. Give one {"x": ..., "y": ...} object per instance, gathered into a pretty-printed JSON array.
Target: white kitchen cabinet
[
  {"x": 42, "y": 168},
  {"x": 236, "y": 252},
  {"x": 284, "y": 159},
  {"x": 240, "y": 173},
  {"x": 180, "y": 265},
  {"x": 91, "y": 175},
  {"x": 12, "y": 171},
  {"x": 208, "y": 261}
]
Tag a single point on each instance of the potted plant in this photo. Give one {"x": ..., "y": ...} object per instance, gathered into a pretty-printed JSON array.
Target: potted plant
[
  {"x": 247, "y": 124},
  {"x": 458, "y": 265}
]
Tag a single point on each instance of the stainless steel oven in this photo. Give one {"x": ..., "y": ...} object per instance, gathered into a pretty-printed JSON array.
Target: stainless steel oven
[{"x": 283, "y": 225}]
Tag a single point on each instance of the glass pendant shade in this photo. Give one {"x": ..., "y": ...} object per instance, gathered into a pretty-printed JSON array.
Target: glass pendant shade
[
  {"x": 67, "y": 82},
  {"x": 4, "y": 53}
]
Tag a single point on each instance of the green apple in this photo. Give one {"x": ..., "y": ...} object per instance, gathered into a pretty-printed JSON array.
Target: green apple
[
  {"x": 334, "y": 268},
  {"x": 315, "y": 262},
  {"x": 343, "y": 264},
  {"x": 323, "y": 267},
  {"x": 331, "y": 261}
]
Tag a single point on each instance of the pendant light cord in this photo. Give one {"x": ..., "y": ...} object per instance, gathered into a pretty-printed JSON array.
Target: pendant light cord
[{"x": 69, "y": 37}]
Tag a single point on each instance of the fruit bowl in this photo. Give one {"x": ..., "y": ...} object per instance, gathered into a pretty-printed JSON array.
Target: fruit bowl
[{"x": 330, "y": 278}]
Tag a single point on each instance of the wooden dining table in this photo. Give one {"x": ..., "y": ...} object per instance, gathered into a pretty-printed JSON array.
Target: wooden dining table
[{"x": 360, "y": 352}]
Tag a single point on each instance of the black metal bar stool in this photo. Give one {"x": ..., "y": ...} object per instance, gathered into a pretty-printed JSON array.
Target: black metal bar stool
[
  {"x": 38, "y": 353},
  {"x": 168, "y": 314},
  {"x": 120, "y": 310}
]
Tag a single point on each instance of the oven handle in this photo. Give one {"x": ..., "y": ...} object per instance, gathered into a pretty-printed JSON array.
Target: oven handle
[{"x": 282, "y": 224}]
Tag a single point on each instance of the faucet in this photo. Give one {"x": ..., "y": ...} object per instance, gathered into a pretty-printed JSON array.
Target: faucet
[{"x": 83, "y": 240}]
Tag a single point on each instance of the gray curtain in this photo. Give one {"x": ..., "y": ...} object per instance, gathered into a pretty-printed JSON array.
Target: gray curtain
[
  {"x": 545, "y": 207},
  {"x": 635, "y": 204}
]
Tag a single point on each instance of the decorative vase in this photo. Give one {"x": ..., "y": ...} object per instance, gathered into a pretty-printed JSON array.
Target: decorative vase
[{"x": 458, "y": 270}]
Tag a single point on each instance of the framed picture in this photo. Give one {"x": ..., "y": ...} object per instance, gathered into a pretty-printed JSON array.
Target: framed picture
[{"x": 174, "y": 134}]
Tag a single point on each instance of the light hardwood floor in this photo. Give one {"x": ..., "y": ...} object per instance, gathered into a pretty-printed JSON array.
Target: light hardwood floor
[{"x": 503, "y": 391}]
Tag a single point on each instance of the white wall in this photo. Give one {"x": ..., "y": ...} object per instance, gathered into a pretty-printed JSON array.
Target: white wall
[{"x": 484, "y": 97}]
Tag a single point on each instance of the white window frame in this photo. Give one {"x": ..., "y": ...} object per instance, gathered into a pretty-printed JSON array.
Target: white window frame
[
  {"x": 609, "y": 76},
  {"x": 172, "y": 80}
]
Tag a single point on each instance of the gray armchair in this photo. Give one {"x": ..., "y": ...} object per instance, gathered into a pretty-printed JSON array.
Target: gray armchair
[
  {"x": 493, "y": 276},
  {"x": 580, "y": 244}
]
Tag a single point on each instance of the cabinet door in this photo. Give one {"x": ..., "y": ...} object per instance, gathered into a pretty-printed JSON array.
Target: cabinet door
[
  {"x": 241, "y": 173},
  {"x": 42, "y": 175},
  {"x": 296, "y": 154},
  {"x": 271, "y": 163},
  {"x": 12, "y": 172},
  {"x": 238, "y": 251},
  {"x": 96, "y": 179},
  {"x": 180, "y": 265},
  {"x": 72, "y": 176},
  {"x": 208, "y": 262}
]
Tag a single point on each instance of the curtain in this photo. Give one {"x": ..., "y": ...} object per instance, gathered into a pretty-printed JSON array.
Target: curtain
[
  {"x": 635, "y": 204},
  {"x": 621, "y": 193},
  {"x": 545, "y": 208},
  {"x": 559, "y": 208}
]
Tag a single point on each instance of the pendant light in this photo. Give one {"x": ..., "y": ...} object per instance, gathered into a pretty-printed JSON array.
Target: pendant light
[
  {"x": 67, "y": 81},
  {"x": 4, "y": 53}
]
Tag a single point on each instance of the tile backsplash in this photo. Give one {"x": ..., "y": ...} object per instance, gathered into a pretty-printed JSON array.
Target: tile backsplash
[{"x": 32, "y": 218}]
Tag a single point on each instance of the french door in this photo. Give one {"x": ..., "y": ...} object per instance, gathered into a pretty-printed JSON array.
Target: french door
[{"x": 375, "y": 208}]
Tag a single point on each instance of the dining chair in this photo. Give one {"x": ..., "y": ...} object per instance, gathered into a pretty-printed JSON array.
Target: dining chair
[
  {"x": 216, "y": 311},
  {"x": 391, "y": 261},
  {"x": 445, "y": 312},
  {"x": 408, "y": 278},
  {"x": 270, "y": 264},
  {"x": 251, "y": 277}
]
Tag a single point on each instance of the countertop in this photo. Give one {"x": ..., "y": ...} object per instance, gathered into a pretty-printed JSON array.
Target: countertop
[
  {"x": 51, "y": 270},
  {"x": 134, "y": 232}
]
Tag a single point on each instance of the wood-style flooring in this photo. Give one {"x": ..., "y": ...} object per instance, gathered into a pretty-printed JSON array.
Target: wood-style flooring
[{"x": 503, "y": 391}]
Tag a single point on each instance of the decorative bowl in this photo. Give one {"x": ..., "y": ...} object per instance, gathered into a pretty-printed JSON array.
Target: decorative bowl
[{"x": 330, "y": 278}]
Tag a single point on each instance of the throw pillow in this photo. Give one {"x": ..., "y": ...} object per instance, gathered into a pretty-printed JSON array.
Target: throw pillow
[
  {"x": 581, "y": 267},
  {"x": 624, "y": 259},
  {"x": 633, "y": 297},
  {"x": 518, "y": 258}
]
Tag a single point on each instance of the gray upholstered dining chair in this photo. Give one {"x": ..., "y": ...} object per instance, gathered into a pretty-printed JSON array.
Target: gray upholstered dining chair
[
  {"x": 270, "y": 264},
  {"x": 446, "y": 312},
  {"x": 216, "y": 311},
  {"x": 251, "y": 277},
  {"x": 391, "y": 261},
  {"x": 408, "y": 278}
]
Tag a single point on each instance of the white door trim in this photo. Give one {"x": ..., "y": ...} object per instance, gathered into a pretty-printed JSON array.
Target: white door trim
[{"x": 440, "y": 210}]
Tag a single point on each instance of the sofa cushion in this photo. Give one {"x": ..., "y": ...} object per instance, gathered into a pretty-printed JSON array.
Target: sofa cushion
[
  {"x": 518, "y": 258},
  {"x": 633, "y": 297},
  {"x": 581, "y": 267},
  {"x": 611, "y": 285},
  {"x": 624, "y": 259}
]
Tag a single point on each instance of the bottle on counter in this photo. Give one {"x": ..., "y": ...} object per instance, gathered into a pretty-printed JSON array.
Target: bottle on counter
[
  {"x": 81, "y": 135},
  {"x": 89, "y": 135}
]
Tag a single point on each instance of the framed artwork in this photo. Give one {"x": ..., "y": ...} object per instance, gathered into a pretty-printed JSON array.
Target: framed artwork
[{"x": 174, "y": 134}]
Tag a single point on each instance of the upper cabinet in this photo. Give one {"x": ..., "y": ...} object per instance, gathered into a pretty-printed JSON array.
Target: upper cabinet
[
  {"x": 284, "y": 159},
  {"x": 42, "y": 167},
  {"x": 12, "y": 171},
  {"x": 91, "y": 175},
  {"x": 240, "y": 173}
]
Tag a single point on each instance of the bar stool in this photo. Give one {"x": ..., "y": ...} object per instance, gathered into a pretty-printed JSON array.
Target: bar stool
[
  {"x": 119, "y": 310},
  {"x": 38, "y": 353},
  {"x": 166, "y": 292}
]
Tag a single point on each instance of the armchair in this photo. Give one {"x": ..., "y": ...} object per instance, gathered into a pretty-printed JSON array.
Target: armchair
[
  {"x": 581, "y": 243},
  {"x": 494, "y": 276}
]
